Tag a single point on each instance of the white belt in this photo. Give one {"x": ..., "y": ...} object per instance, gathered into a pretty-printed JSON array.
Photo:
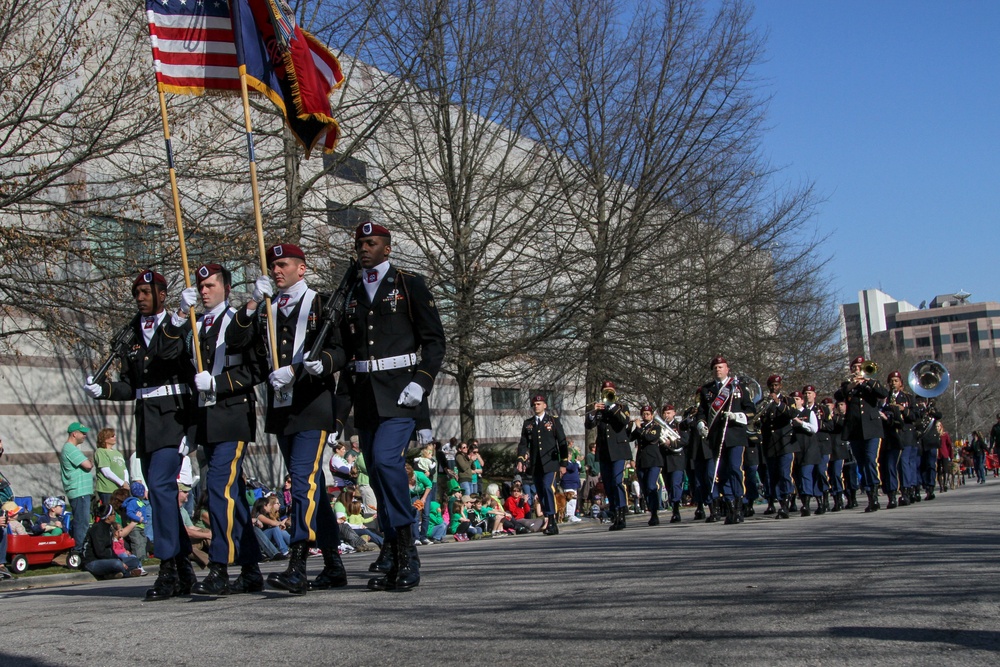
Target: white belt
[
  {"x": 387, "y": 364},
  {"x": 163, "y": 390}
]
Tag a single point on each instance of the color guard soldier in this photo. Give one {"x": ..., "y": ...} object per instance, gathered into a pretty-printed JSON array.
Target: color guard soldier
[
  {"x": 648, "y": 460},
  {"x": 611, "y": 421},
  {"x": 300, "y": 414},
  {"x": 804, "y": 428},
  {"x": 390, "y": 317},
  {"x": 674, "y": 460},
  {"x": 863, "y": 426},
  {"x": 724, "y": 411},
  {"x": 225, "y": 421},
  {"x": 897, "y": 424},
  {"x": 541, "y": 452},
  {"x": 156, "y": 374}
]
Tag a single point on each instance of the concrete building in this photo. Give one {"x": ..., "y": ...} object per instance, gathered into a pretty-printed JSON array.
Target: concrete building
[
  {"x": 873, "y": 313},
  {"x": 951, "y": 329}
]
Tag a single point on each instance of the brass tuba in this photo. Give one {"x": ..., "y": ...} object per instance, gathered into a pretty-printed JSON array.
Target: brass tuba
[{"x": 928, "y": 378}]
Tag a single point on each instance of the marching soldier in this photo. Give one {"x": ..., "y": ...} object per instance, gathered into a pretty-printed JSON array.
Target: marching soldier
[
  {"x": 779, "y": 447},
  {"x": 804, "y": 428},
  {"x": 390, "y": 317},
  {"x": 611, "y": 420},
  {"x": 863, "y": 426},
  {"x": 751, "y": 467},
  {"x": 824, "y": 418},
  {"x": 648, "y": 460},
  {"x": 674, "y": 460},
  {"x": 541, "y": 452},
  {"x": 763, "y": 419},
  {"x": 897, "y": 424},
  {"x": 300, "y": 399},
  {"x": 926, "y": 417},
  {"x": 156, "y": 374},
  {"x": 724, "y": 411},
  {"x": 225, "y": 421}
]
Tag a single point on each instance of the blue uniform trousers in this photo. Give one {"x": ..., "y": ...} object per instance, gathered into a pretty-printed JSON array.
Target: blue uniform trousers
[
  {"x": 612, "y": 473},
  {"x": 779, "y": 470},
  {"x": 704, "y": 470},
  {"x": 807, "y": 480},
  {"x": 545, "y": 484},
  {"x": 910, "y": 467},
  {"x": 160, "y": 469},
  {"x": 649, "y": 482},
  {"x": 675, "y": 483},
  {"x": 866, "y": 454},
  {"x": 384, "y": 449},
  {"x": 233, "y": 540},
  {"x": 311, "y": 513},
  {"x": 731, "y": 473},
  {"x": 835, "y": 471},
  {"x": 821, "y": 482},
  {"x": 766, "y": 483},
  {"x": 752, "y": 492},
  {"x": 889, "y": 469},
  {"x": 928, "y": 468}
]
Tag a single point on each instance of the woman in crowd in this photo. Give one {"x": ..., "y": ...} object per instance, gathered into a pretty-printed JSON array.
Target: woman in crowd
[
  {"x": 265, "y": 515},
  {"x": 99, "y": 556},
  {"x": 340, "y": 468},
  {"x": 112, "y": 472}
]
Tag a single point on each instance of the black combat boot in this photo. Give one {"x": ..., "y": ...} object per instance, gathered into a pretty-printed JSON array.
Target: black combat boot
[
  {"x": 622, "y": 513},
  {"x": 249, "y": 581},
  {"x": 675, "y": 516},
  {"x": 713, "y": 511},
  {"x": 216, "y": 583},
  {"x": 852, "y": 500},
  {"x": 748, "y": 510},
  {"x": 805, "y": 506},
  {"x": 930, "y": 493},
  {"x": 822, "y": 504},
  {"x": 699, "y": 512},
  {"x": 654, "y": 517},
  {"x": 408, "y": 561},
  {"x": 727, "y": 509},
  {"x": 387, "y": 581},
  {"x": 872, "y": 504},
  {"x": 904, "y": 497},
  {"x": 166, "y": 582},
  {"x": 738, "y": 511},
  {"x": 333, "y": 574},
  {"x": 771, "y": 509},
  {"x": 293, "y": 579},
  {"x": 551, "y": 528},
  {"x": 384, "y": 561},
  {"x": 792, "y": 507},
  {"x": 915, "y": 494},
  {"x": 186, "y": 578},
  {"x": 783, "y": 511},
  {"x": 891, "y": 505},
  {"x": 838, "y": 502}
]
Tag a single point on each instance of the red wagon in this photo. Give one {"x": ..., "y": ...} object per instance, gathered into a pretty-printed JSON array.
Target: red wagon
[{"x": 25, "y": 550}]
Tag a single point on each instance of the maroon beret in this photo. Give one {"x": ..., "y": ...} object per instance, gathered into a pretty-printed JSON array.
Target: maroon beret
[
  {"x": 646, "y": 408},
  {"x": 895, "y": 374},
  {"x": 808, "y": 387},
  {"x": 370, "y": 229},
  {"x": 668, "y": 406},
  {"x": 149, "y": 277},
  {"x": 796, "y": 394},
  {"x": 607, "y": 384},
  {"x": 717, "y": 360},
  {"x": 771, "y": 379},
  {"x": 283, "y": 250},
  {"x": 538, "y": 398},
  {"x": 857, "y": 360},
  {"x": 827, "y": 400},
  {"x": 206, "y": 271}
]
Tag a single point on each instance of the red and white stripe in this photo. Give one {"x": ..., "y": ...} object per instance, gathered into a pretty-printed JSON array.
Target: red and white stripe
[{"x": 192, "y": 54}]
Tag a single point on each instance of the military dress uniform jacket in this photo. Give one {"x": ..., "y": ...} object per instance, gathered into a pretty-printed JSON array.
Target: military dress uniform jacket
[
  {"x": 157, "y": 378},
  {"x": 612, "y": 434},
  {"x": 863, "y": 421},
  {"x": 825, "y": 434},
  {"x": 739, "y": 401},
  {"x": 234, "y": 415},
  {"x": 647, "y": 440},
  {"x": 898, "y": 428},
  {"x": 401, "y": 320},
  {"x": 543, "y": 443},
  {"x": 806, "y": 443},
  {"x": 312, "y": 402},
  {"x": 776, "y": 430},
  {"x": 675, "y": 459},
  {"x": 841, "y": 448},
  {"x": 929, "y": 439}
]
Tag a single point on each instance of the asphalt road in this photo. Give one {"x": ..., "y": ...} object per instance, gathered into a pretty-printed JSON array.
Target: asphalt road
[{"x": 910, "y": 586}]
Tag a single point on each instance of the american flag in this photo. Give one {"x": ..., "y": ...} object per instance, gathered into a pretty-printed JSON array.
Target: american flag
[{"x": 193, "y": 47}]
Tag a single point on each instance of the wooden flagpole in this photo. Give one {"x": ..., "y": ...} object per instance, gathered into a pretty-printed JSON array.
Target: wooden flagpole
[{"x": 271, "y": 326}]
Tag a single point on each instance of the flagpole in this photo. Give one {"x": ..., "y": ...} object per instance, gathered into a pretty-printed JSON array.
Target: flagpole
[
  {"x": 180, "y": 224},
  {"x": 271, "y": 328}
]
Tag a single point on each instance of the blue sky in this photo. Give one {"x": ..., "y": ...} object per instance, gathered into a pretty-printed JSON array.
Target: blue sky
[{"x": 892, "y": 109}]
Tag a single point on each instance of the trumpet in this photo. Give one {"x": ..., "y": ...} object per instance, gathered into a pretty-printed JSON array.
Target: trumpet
[
  {"x": 868, "y": 372},
  {"x": 669, "y": 438}
]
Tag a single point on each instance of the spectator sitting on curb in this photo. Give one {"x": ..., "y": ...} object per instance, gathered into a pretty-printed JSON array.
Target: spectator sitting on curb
[
  {"x": 118, "y": 546},
  {"x": 363, "y": 526},
  {"x": 436, "y": 519},
  {"x": 98, "y": 555},
  {"x": 200, "y": 537},
  {"x": 518, "y": 508}
]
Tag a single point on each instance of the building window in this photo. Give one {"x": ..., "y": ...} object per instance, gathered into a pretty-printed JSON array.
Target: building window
[
  {"x": 348, "y": 168},
  {"x": 962, "y": 355},
  {"x": 960, "y": 337},
  {"x": 924, "y": 341},
  {"x": 506, "y": 399},
  {"x": 344, "y": 215}
]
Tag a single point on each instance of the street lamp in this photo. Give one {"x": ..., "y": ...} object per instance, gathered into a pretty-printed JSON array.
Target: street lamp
[{"x": 954, "y": 399}]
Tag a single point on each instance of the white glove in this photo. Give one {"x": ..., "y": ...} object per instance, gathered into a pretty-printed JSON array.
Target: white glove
[
  {"x": 262, "y": 289},
  {"x": 183, "y": 449},
  {"x": 281, "y": 378},
  {"x": 410, "y": 398},
  {"x": 425, "y": 436},
  {"x": 204, "y": 381},
  {"x": 702, "y": 429},
  {"x": 313, "y": 367},
  {"x": 94, "y": 390},
  {"x": 738, "y": 417},
  {"x": 189, "y": 297},
  {"x": 332, "y": 438}
]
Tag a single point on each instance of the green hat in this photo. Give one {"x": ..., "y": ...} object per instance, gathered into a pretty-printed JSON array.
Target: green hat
[
  {"x": 77, "y": 426},
  {"x": 453, "y": 486}
]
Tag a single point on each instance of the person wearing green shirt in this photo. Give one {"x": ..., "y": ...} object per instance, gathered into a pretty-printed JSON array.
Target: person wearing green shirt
[
  {"x": 77, "y": 482},
  {"x": 420, "y": 496},
  {"x": 112, "y": 473}
]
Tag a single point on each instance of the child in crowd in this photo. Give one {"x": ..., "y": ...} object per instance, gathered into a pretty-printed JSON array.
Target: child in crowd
[
  {"x": 51, "y": 522},
  {"x": 13, "y": 510},
  {"x": 436, "y": 519},
  {"x": 137, "y": 509},
  {"x": 118, "y": 547},
  {"x": 360, "y": 525}
]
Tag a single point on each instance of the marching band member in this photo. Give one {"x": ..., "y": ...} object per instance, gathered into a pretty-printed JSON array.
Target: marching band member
[
  {"x": 897, "y": 424},
  {"x": 648, "y": 460},
  {"x": 611, "y": 421},
  {"x": 863, "y": 426},
  {"x": 824, "y": 417},
  {"x": 779, "y": 447},
  {"x": 926, "y": 416},
  {"x": 300, "y": 408},
  {"x": 804, "y": 428},
  {"x": 155, "y": 373},
  {"x": 724, "y": 411},
  {"x": 541, "y": 452},
  {"x": 674, "y": 461},
  {"x": 224, "y": 425}
]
